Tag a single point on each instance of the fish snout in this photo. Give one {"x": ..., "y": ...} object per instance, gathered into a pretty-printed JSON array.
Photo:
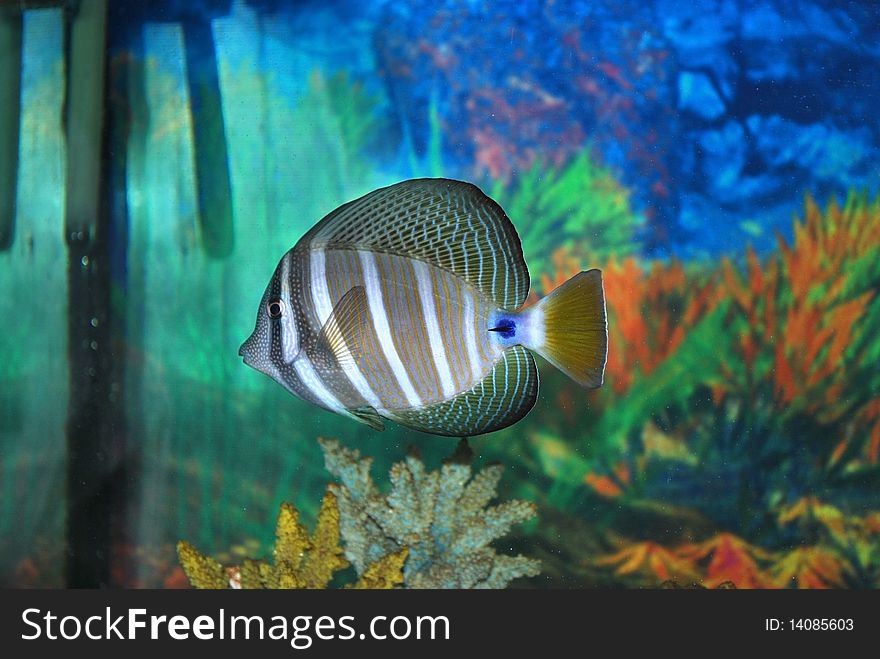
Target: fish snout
[{"x": 246, "y": 351}]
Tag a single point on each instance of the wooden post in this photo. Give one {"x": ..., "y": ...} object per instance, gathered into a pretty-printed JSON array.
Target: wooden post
[
  {"x": 84, "y": 116},
  {"x": 10, "y": 111}
]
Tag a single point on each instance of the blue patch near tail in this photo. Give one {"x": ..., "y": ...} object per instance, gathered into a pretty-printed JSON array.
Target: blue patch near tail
[{"x": 505, "y": 327}]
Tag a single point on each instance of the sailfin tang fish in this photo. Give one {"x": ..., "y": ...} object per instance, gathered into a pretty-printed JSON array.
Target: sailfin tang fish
[{"x": 406, "y": 304}]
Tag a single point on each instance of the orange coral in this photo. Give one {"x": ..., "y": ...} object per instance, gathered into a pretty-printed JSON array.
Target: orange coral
[
  {"x": 730, "y": 559},
  {"x": 811, "y": 510},
  {"x": 607, "y": 486},
  {"x": 651, "y": 559},
  {"x": 727, "y": 558},
  {"x": 798, "y": 312},
  {"x": 602, "y": 485},
  {"x": 793, "y": 345},
  {"x": 809, "y": 567}
]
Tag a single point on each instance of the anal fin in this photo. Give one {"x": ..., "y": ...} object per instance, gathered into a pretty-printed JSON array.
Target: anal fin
[{"x": 500, "y": 399}]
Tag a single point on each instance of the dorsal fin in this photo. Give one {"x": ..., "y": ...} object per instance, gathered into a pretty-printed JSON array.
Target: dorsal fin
[
  {"x": 450, "y": 224},
  {"x": 500, "y": 399}
]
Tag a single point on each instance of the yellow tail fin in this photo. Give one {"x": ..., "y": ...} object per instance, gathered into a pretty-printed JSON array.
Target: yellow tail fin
[{"x": 575, "y": 333}]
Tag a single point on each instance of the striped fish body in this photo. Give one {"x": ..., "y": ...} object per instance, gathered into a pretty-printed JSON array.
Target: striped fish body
[
  {"x": 426, "y": 327},
  {"x": 404, "y": 304}
]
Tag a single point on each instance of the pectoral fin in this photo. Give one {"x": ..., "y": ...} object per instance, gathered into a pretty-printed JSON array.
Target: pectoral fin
[{"x": 341, "y": 339}]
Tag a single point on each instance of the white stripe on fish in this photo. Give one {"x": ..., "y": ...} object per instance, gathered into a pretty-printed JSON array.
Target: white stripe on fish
[
  {"x": 376, "y": 303},
  {"x": 312, "y": 382},
  {"x": 435, "y": 338},
  {"x": 289, "y": 336},
  {"x": 470, "y": 337},
  {"x": 320, "y": 291},
  {"x": 323, "y": 309}
]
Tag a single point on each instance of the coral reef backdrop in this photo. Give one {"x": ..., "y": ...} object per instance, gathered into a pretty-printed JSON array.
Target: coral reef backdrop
[{"x": 719, "y": 161}]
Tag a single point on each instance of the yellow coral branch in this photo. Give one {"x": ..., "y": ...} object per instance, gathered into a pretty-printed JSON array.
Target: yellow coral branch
[
  {"x": 385, "y": 573},
  {"x": 299, "y": 561},
  {"x": 325, "y": 556},
  {"x": 202, "y": 571}
]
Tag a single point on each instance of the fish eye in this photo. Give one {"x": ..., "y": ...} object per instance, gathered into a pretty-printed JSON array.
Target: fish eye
[{"x": 274, "y": 308}]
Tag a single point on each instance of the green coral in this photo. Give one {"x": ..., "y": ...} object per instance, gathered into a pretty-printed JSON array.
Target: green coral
[
  {"x": 357, "y": 111},
  {"x": 442, "y": 516},
  {"x": 299, "y": 561}
]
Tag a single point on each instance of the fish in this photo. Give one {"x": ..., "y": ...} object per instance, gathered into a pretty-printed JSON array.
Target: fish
[{"x": 406, "y": 304}]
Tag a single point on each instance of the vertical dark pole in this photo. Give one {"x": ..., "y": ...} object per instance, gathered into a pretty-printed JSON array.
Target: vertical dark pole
[
  {"x": 209, "y": 138},
  {"x": 95, "y": 436},
  {"x": 10, "y": 111},
  {"x": 124, "y": 117}
]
